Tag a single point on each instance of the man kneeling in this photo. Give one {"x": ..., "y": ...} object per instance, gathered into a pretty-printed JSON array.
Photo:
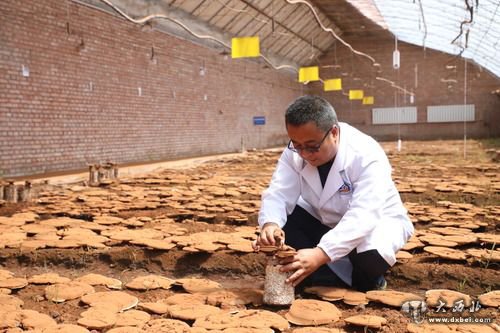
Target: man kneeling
[{"x": 333, "y": 196}]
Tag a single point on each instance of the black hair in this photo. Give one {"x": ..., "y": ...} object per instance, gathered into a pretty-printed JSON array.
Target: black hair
[{"x": 311, "y": 108}]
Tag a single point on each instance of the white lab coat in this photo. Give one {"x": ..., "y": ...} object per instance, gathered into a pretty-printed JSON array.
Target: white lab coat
[{"x": 359, "y": 200}]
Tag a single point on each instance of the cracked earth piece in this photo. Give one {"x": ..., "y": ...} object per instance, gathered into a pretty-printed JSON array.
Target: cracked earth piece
[
  {"x": 66, "y": 328},
  {"x": 443, "y": 328},
  {"x": 13, "y": 283},
  {"x": 306, "y": 312},
  {"x": 434, "y": 297},
  {"x": 61, "y": 292},
  {"x": 125, "y": 329},
  {"x": 48, "y": 278},
  {"x": 132, "y": 318},
  {"x": 490, "y": 299},
  {"x": 194, "y": 285},
  {"x": 391, "y": 297},
  {"x": 191, "y": 311},
  {"x": 35, "y": 320},
  {"x": 235, "y": 298},
  {"x": 353, "y": 297},
  {"x": 98, "y": 279},
  {"x": 243, "y": 319},
  {"x": 113, "y": 300},
  {"x": 97, "y": 318},
  {"x": 367, "y": 321},
  {"x": 154, "y": 307},
  {"x": 150, "y": 282},
  {"x": 166, "y": 326},
  {"x": 447, "y": 253},
  {"x": 244, "y": 330},
  {"x": 327, "y": 293},
  {"x": 318, "y": 330},
  {"x": 10, "y": 319},
  {"x": 196, "y": 298}
]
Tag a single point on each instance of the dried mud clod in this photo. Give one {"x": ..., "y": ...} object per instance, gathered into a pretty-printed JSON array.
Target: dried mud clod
[{"x": 199, "y": 223}]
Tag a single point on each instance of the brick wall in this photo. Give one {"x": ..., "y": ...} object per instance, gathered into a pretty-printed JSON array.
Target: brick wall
[
  {"x": 431, "y": 89},
  {"x": 95, "y": 93},
  {"x": 81, "y": 102}
]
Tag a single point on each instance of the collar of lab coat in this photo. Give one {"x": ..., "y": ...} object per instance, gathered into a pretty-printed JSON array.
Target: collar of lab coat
[{"x": 334, "y": 180}]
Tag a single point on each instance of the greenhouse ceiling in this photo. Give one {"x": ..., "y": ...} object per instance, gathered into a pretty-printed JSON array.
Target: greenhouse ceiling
[
  {"x": 467, "y": 28},
  {"x": 296, "y": 33}
]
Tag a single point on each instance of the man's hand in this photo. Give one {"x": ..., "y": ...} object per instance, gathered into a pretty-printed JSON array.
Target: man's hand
[
  {"x": 304, "y": 263},
  {"x": 270, "y": 235}
]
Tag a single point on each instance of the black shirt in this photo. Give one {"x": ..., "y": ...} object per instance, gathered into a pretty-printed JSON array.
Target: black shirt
[{"x": 324, "y": 170}]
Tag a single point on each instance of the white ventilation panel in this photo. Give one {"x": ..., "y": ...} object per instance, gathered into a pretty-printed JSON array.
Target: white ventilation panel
[
  {"x": 450, "y": 113},
  {"x": 443, "y": 25},
  {"x": 403, "y": 115}
]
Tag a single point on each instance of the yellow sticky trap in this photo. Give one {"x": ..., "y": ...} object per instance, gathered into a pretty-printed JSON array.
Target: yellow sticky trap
[
  {"x": 243, "y": 47},
  {"x": 368, "y": 100},
  {"x": 332, "y": 85},
  {"x": 308, "y": 74},
  {"x": 355, "y": 94}
]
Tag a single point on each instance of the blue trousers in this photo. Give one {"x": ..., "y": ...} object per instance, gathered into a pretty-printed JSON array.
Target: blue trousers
[{"x": 302, "y": 231}]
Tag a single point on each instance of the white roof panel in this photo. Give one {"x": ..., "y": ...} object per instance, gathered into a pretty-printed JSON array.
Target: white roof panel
[{"x": 437, "y": 23}]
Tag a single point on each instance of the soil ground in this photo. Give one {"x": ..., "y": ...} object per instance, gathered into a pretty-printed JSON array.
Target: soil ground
[{"x": 424, "y": 166}]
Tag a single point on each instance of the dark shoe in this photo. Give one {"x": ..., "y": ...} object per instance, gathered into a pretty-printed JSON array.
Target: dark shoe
[{"x": 381, "y": 283}]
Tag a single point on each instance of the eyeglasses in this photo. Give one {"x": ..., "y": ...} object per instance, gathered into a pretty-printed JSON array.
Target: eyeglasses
[{"x": 309, "y": 149}]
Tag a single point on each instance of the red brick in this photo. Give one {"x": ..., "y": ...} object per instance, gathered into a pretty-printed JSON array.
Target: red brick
[{"x": 56, "y": 123}]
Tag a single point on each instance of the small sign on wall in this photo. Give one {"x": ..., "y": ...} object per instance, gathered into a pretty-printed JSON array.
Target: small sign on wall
[{"x": 259, "y": 120}]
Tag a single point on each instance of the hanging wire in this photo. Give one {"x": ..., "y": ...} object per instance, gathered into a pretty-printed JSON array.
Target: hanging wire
[
  {"x": 335, "y": 53},
  {"x": 487, "y": 30},
  {"x": 312, "y": 48},
  {"x": 467, "y": 23},
  {"x": 162, "y": 16},
  {"x": 416, "y": 75},
  {"x": 266, "y": 59},
  {"x": 393, "y": 84},
  {"x": 279, "y": 66},
  {"x": 68, "y": 30},
  {"x": 470, "y": 9},
  {"x": 374, "y": 63},
  {"x": 272, "y": 17},
  {"x": 352, "y": 72},
  {"x": 243, "y": 11},
  {"x": 330, "y": 30},
  {"x": 465, "y": 109},
  {"x": 398, "y": 107},
  {"x": 423, "y": 20}
]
